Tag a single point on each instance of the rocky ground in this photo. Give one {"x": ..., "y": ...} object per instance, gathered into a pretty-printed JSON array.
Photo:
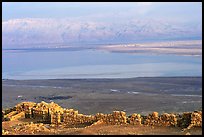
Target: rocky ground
[
  {"x": 21, "y": 126},
  {"x": 139, "y": 95},
  {"x": 15, "y": 122},
  {"x": 90, "y": 96}
]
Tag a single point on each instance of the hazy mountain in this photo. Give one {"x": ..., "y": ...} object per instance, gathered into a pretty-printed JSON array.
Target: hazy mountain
[{"x": 37, "y": 31}]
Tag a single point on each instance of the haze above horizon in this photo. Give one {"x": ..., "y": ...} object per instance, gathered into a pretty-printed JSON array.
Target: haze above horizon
[{"x": 28, "y": 23}]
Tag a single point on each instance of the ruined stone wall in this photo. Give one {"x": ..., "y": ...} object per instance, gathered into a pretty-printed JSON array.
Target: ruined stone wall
[
  {"x": 117, "y": 117},
  {"x": 37, "y": 112},
  {"x": 135, "y": 119},
  {"x": 72, "y": 117},
  {"x": 168, "y": 120},
  {"x": 24, "y": 106},
  {"x": 187, "y": 119},
  {"x": 54, "y": 114},
  {"x": 55, "y": 118},
  {"x": 43, "y": 112},
  {"x": 196, "y": 119},
  {"x": 163, "y": 120}
]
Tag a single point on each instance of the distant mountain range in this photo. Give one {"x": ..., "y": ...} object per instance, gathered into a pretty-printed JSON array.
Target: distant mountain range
[{"x": 36, "y": 32}]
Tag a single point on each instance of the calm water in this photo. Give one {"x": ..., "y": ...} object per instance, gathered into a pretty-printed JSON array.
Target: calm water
[{"x": 44, "y": 64}]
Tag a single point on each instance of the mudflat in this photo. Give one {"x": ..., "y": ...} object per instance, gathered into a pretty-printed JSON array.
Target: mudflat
[
  {"x": 134, "y": 95},
  {"x": 192, "y": 47}
]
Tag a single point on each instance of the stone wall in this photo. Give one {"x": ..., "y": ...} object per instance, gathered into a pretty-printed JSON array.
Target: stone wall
[
  {"x": 72, "y": 117},
  {"x": 117, "y": 117},
  {"x": 168, "y": 120},
  {"x": 163, "y": 120},
  {"x": 54, "y": 114},
  {"x": 55, "y": 118},
  {"x": 135, "y": 119},
  {"x": 196, "y": 119},
  {"x": 24, "y": 106}
]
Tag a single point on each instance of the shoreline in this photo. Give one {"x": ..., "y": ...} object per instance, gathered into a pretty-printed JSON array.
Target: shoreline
[
  {"x": 168, "y": 47},
  {"x": 5, "y": 79}
]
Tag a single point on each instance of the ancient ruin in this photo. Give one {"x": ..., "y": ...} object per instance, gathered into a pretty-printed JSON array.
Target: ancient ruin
[{"x": 52, "y": 113}]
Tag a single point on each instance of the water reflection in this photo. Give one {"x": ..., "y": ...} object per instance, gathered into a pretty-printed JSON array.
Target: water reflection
[{"x": 95, "y": 64}]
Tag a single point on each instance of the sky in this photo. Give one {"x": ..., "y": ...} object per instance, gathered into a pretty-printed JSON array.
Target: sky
[
  {"x": 62, "y": 24},
  {"x": 99, "y": 21},
  {"x": 186, "y": 11}
]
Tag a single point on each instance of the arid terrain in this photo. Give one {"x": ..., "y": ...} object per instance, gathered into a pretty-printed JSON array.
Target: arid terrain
[
  {"x": 102, "y": 68},
  {"x": 91, "y": 96},
  {"x": 22, "y": 127}
]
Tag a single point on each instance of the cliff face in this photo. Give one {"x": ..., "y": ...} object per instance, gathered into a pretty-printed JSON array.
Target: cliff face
[{"x": 52, "y": 113}]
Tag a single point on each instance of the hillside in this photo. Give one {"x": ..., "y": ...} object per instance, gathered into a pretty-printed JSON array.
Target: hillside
[{"x": 18, "y": 33}]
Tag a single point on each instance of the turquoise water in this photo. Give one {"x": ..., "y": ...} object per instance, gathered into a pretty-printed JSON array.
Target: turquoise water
[{"x": 51, "y": 64}]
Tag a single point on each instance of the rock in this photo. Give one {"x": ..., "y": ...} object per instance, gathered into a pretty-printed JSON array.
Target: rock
[{"x": 56, "y": 116}]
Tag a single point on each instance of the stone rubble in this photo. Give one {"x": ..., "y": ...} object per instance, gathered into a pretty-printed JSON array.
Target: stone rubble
[
  {"x": 55, "y": 115},
  {"x": 135, "y": 119}
]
